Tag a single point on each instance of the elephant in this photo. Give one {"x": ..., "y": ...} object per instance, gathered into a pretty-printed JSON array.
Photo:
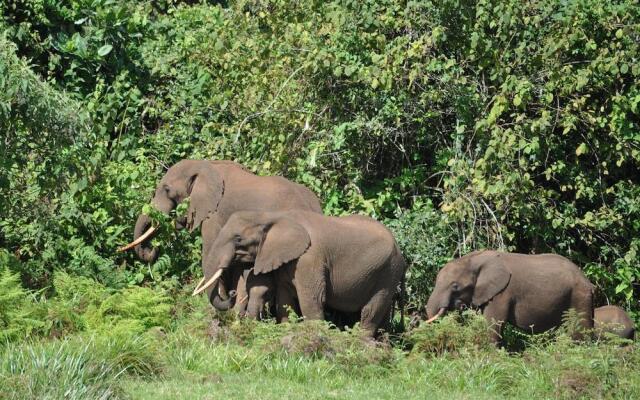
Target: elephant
[
  {"x": 349, "y": 264},
  {"x": 613, "y": 319},
  {"x": 529, "y": 291},
  {"x": 216, "y": 190}
]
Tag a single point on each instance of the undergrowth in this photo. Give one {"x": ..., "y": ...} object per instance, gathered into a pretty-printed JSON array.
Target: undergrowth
[{"x": 198, "y": 352}]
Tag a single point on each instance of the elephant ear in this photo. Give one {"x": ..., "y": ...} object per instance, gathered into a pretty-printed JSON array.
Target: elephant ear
[
  {"x": 206, "y": 191},
  {"x": 284, "y": 240},
  {"x": 493, "y": 278}
]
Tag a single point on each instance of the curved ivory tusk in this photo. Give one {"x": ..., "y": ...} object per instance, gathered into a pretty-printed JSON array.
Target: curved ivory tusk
[
  {"x": 199, "y": 283},
  {"x": 222, "y": 291},
  {"x": 430, "y": 320},
  {"x": 199, "y": 289},
  {"x": 139, "y": 240},
  {"x": 242, "y": 300}
]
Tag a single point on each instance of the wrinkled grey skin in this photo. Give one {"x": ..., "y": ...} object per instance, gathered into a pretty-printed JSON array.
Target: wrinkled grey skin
[
  {"x": 613, "y": 319},
  {"x": 529, "y": 291},
  {"x": 216, "y": 190},
  {"x": 349, "y": 264},
  {"x": 253, "y": 293}
]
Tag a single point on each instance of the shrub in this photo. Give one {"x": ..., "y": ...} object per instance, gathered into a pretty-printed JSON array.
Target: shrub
[
  {"x": 453, "y": 333},
  {"x": 133, "y": 310},
  {"x": 19, "y": 314},
  {"x": 310, "y": 340},
  {"x": 427, "y": 242}
]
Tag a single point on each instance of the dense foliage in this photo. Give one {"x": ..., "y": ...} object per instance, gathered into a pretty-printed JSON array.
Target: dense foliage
[{"x": 462, "y": 124}]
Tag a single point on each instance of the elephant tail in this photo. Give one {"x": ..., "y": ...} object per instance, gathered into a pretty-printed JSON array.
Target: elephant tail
[
  {"x": 401, "y": 265},
  {"x": 403, "y": 291}
]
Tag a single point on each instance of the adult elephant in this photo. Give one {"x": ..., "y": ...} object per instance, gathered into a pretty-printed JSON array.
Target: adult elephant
[
  {"x": 216, "y": 190},
  {"x": 613, "y": 319},
  {"x": 349, "y": 264},
  {"x": 529, "y": 291}
]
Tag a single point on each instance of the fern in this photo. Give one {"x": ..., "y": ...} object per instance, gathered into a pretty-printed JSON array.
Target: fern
[
  {"x": 133, "y": 310},
  {"x": 78, "y": 291},
  {"x": 18, "y": 311}
]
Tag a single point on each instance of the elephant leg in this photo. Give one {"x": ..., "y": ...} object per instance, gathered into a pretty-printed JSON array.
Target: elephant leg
[
  {"x": 496, "y": 312},
  {"x": 311, "y": 290},
  {"x": 582, "y": 302},
  {"x": 259, "y": 288},
  {"x": 311, "y": 308},
  {"x": 255, "y": 308},
  {"x": 285, "y": 301},
  {"x": 285, "y": 292},
  {"x": 376, "y": 311}
]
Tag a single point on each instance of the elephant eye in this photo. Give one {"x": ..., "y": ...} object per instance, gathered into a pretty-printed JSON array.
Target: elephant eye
[
  {"x": 454, "y": 286},
  {"x": 237, "y": 239}
]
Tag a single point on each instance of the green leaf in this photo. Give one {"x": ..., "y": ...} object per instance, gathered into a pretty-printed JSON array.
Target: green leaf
[
  {"x": 104, "y": 50},
  {"x": 581, "y": 149},
  {"x": 622, "y": 286},
  {"x": 517, "y": 100}
]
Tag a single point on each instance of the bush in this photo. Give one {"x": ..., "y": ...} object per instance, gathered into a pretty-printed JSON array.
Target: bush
[
  {"x": 133, "y": 310},
  {"x": 80, "y": 305},
  {"x": 453, "y": 333},
  {"x": 310, "y": 340},
  {"x": 19, "y": 314},
  {"x": 427, "y": 242}
]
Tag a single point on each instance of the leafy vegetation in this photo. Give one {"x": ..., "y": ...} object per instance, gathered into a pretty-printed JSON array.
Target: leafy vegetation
[
  {"x": 460, "y": 124},
  {"x": 498, "y": 124}
]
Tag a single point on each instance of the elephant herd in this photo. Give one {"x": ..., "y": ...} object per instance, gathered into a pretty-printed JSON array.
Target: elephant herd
[{"x": 266, "y": 242}]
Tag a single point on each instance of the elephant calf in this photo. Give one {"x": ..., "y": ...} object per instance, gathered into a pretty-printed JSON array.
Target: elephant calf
[
  {"x": 349, "y": 264},
  {"x": 613, "y": 319},
  {"x": 529, "y": 291}
]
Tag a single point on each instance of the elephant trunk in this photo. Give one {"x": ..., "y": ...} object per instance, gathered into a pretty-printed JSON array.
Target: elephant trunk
[
  {"x": 438, "y": 303},
  {"x": 144, "y": 250},
  {"x": 222, "y": 305},
  {"x": 218, "y": 302},
  {"x": 223, "y": 256}
]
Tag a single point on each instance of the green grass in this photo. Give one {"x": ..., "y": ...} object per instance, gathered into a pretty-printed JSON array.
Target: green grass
[
  {"x": 198, "y": 359},
  {"x": 561, "y": 371}
]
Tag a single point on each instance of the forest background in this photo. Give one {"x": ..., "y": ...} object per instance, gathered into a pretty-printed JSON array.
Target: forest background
[{"x": 461, "y": 125}]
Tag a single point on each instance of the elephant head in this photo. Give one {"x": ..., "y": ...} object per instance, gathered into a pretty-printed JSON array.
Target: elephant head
[
  {"x": 196, "y": 179},
  {"x": 470, "y": 281},
  {"x": 264, "y": 239}
]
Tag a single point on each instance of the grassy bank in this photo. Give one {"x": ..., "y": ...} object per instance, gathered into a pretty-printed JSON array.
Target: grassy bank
[{"x": 197, "y": 358}]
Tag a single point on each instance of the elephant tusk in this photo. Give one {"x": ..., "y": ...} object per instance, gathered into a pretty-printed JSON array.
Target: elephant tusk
[
  {"x": 200, "y": 283},
  {"x": 440, "y": 312},
  {"x": 139, "y": 240},
  {"x": 242, "y": 300},
  {"x": 199, "y": 289},
  {"x": 222, "y": 291}
]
